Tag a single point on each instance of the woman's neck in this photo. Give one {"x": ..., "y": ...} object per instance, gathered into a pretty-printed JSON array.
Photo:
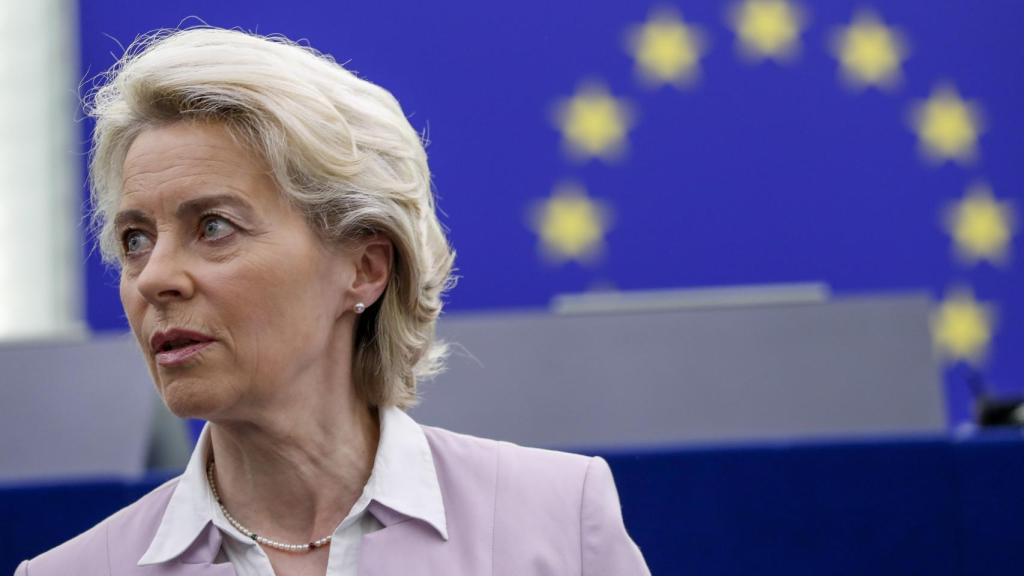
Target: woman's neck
[{"x": 294, "y": 476}]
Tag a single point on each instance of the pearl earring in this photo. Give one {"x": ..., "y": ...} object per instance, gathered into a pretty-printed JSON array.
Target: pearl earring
[{"x": 360, "y": 307}]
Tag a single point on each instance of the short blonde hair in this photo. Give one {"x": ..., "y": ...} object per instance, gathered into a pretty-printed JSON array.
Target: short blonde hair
[{"x": 340, "y": 148}]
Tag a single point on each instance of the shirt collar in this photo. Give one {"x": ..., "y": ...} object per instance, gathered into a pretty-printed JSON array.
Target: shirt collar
[
  {"x": 188, "y": 511},
  {"x": 403, "y": 479}
]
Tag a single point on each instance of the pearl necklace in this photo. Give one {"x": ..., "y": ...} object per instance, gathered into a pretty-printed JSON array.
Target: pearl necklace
[{"x": 296, "y": 548}]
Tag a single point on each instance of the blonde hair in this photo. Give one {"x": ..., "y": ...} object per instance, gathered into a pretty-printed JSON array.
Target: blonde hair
[{"x": 340, "y": 149}]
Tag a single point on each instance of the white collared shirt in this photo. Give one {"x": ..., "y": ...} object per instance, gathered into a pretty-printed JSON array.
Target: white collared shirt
[{"x": 403, "y": 479}]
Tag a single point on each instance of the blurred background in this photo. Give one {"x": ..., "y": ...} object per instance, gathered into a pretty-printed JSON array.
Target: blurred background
[{"x": 763, "y": 255}]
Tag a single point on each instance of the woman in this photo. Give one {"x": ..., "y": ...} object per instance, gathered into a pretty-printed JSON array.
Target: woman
[{"x": 282, "y": 268}]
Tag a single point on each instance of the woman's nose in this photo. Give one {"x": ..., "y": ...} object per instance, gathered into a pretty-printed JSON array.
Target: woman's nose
[{"x": 165, "y": 276}]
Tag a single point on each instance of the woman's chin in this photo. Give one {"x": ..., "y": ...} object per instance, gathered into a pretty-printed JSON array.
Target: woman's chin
[{"x": 192, "y": 399}]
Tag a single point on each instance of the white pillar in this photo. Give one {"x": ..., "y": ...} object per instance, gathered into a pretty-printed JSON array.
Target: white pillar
[{"x": 40, "y": 171}]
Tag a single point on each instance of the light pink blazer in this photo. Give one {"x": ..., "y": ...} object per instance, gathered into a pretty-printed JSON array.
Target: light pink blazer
[{"x": 511, "y": 511}]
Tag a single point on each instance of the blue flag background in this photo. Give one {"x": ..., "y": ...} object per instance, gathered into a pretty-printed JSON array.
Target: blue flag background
[{"x": 635, "y": 146}]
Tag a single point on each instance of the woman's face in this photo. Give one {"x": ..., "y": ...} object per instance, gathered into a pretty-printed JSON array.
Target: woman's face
[{"x": 211, "y": 246}]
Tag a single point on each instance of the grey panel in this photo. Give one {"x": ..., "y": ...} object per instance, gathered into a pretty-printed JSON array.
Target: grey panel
[
  {"x": 857, "y": 366},
  {"x": 74, "y": 409}
]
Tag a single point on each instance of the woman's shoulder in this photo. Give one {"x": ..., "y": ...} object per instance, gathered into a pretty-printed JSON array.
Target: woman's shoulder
[
  {"x": 508, "y": 472},
  {"x": 510, "y": 461},
  {"x": 88, "y": 553},
  {"x": 535, "y": 506}
]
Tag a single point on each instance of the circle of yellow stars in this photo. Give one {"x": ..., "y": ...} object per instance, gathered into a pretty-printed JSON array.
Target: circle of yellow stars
[{"x": 667, "y": 51}]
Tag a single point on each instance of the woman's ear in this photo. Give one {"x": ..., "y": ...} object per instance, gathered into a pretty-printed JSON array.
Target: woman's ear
[{"x": 372, "y": 258}]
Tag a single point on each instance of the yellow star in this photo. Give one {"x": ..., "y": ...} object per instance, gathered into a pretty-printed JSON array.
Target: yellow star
[
  {"x": 962, "y": 327},
  {"x": 666, "y": 50},
  {"x": 981, "y": 226},
  {"x": 571, "y": 226},
  {"x": 947, "y": 127},
  {"x": 869, "y": 52},
  {"x": 767, "y": 28},
  {"x": 593, "y": 123}
]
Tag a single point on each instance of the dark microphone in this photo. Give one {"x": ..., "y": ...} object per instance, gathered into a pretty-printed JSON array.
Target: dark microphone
[{"x": 994, "y": 411}]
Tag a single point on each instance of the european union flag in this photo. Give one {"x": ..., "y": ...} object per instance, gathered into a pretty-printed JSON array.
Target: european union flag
[{"x": 633, "y": 145}]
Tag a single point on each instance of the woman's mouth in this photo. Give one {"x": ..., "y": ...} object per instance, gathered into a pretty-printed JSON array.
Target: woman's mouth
[{"x": 177, "y": 356}]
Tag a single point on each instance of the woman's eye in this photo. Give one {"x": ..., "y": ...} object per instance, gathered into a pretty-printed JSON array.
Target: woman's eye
[
  {"x": 215, "y": 227},
  {"x": 134, "y": 241}
]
